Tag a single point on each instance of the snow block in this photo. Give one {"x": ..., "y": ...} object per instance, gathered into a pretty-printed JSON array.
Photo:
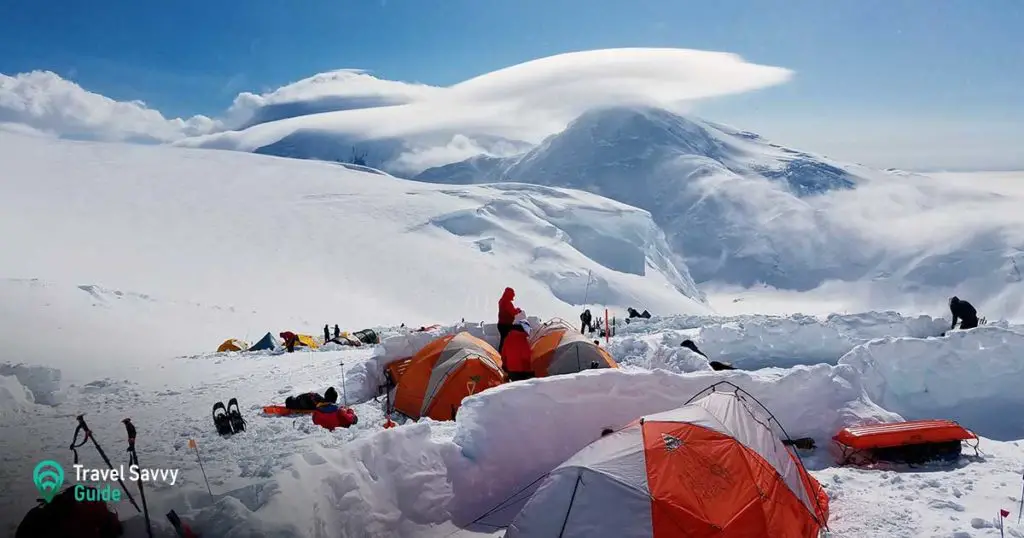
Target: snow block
[
  {"x": 14, "y": 397},
  {"x": 44, "y": 382},
  {"x": 972, "y": 377}
]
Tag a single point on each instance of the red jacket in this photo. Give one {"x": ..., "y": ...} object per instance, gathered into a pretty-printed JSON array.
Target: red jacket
[
  {"x": 506, "y": 310},
  {"x": 515, "y": 353},
  {"x": 332, "y": 417}
]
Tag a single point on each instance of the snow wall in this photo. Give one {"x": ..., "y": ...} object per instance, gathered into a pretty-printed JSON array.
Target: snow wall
[
  {"x": 757, "y": 341},
  {"x": 43, "y": 382}
]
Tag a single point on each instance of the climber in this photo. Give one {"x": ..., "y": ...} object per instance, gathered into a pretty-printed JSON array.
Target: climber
[
  {"x": 506, "y": 315},
  {"x": 964, "y": 311},
  {"x": 311, "y": 400},
  {"x": 585, "y": 322},
  {"x": 715, "y": 365},
  {"x": 64, "y": 516},
  {"x": 290, "y": 340},
  {"x": 515, "y": 354},
  {"x": 331, "y": 416}
]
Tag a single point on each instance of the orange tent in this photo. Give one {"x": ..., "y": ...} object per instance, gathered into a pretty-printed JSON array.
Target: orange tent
[
  {"x": 444, "y": 372},
  {"x": 709, "y": 469},
  {"x": 557, "y": 348}
]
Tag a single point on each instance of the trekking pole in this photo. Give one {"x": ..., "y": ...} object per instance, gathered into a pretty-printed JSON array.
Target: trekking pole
[
  {"x": 192, "y": 444},
  {"x": 133, "y": 459},
  {"x": 82, "y": 426},
  {"x": 344, "y": 391},
  {"x": 1021, "y": 509}
]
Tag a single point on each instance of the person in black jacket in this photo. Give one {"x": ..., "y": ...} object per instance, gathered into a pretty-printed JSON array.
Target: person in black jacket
[
  {"x": 715, "y": 365},
  {"x": 964, "y": 311},
  {"x": 585, "y": 322}
]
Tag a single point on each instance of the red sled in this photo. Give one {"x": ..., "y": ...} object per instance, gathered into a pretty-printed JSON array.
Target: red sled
[{"x": 913, "y": 442}]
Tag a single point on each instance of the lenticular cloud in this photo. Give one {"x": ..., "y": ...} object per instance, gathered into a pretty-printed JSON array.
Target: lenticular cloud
[{"x": 531, "y": 100}]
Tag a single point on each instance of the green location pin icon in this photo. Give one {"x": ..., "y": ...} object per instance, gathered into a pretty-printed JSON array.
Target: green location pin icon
[{"x": 48, "y": 478}]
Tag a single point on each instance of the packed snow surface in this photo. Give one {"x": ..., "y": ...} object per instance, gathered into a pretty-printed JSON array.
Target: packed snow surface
[{"x": 176, "y": 250}]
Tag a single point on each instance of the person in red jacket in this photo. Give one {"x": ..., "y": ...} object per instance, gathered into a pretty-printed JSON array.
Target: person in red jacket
[
  {"x": 290, "y": 339},
  {"x": 506, "y": 315},
  {"x": 515, "y": 354},
  {"x": 332, "y": 416}
]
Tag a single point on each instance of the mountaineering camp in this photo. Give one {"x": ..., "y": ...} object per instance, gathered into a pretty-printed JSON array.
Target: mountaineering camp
[{"x": 719, "y": 463}]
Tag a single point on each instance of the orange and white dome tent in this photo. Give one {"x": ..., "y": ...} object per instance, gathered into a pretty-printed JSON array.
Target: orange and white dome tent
[
  {"x": 443, "y": 373},
  {"x": 712, "y": 468},
  {"x": 558, "y": 348}
]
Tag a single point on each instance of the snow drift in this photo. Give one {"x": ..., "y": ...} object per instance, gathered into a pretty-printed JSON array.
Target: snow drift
[{"x": 218, "y": 245}]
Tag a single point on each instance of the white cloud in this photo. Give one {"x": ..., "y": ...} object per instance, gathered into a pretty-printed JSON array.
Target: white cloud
[
  {"x": 527, "y": 101},
  {"x": 459, "y": 148},
  {"x": 45, "y": 102},
  {"x": 524, "y": 102},
  {"x": 351, "y": 85}
]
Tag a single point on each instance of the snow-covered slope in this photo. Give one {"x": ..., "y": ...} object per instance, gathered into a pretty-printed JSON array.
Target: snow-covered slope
[
  {"x": 745, "y": 211},
  {"x": 171, "y": 250},
  {"x": 732, "y": 202}
]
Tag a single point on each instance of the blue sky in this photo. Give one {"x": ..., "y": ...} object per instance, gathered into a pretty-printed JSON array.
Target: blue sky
[{"x": 876, "y": 81}]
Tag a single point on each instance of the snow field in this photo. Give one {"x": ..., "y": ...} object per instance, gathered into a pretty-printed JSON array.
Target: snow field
[{"x": 277, "y": 244}]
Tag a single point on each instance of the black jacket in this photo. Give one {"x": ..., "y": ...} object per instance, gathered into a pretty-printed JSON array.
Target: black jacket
[{"x": 964, "y": 311}]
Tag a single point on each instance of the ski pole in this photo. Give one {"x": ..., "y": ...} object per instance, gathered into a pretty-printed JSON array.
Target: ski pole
[
  {"x": 1021, "y": 509},
  {"x": 133, "y": 459},
  {"x": 192, "y": 444},
  {"x": 344, "y": 391},
  {"x": 88, "y": 435}
]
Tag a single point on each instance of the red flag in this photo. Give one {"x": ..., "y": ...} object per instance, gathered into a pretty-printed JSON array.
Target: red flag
[{"x": 1004, "y": 513}]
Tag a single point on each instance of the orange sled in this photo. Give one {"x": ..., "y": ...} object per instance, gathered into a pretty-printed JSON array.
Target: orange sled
[
  {"x": 915, "y": 441},
  {"x": 282, "y": 411}
]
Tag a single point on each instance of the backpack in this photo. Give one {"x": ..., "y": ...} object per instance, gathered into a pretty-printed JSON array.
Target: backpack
[{"x": 64, "y": 517}]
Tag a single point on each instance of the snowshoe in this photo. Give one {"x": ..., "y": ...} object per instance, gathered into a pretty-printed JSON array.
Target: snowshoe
[
  {"x": 222, "y": 421},
  {"x": 237, "y": 422}
]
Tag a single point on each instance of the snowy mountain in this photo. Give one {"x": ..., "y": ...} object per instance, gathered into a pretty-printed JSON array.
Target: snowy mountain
[
  {"x": 499, "y": 113},
  {"x": 220, "y": 244},
  {"x": 700, "y": 181},
  {"x": 744, "y": 211}
]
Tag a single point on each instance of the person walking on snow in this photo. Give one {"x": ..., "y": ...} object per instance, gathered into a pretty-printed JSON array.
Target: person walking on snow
[
  {"x": 506, "y": 315},
  {"x": 964, "y": 311},
  {"x": 327, "y": 334}
]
